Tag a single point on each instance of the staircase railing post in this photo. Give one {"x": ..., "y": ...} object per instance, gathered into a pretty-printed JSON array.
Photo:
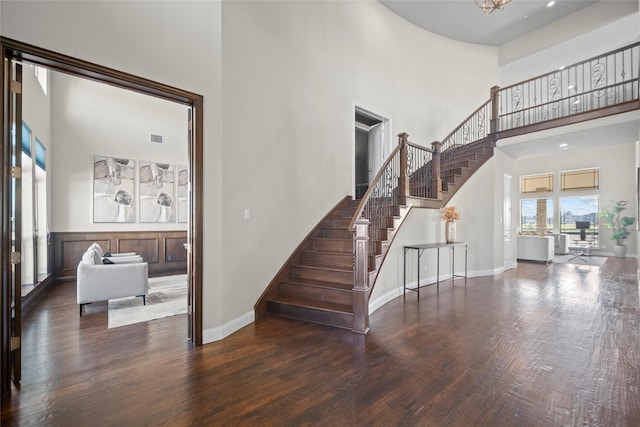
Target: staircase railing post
[
  {"x": 403, "y": 179},
  {"x": 361, "y": 277},
  {"x": 494, "y": 121},
  {"x": 436, "y": 178}
]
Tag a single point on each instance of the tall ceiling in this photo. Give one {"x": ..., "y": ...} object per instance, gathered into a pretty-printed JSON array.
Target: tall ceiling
[{"x": 462, "y": 20}]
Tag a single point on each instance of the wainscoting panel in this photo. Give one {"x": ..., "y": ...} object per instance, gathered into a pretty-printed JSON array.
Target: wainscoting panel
[
  {"x": 70, "y": 249},
  {"x": 147, "y": 248},
  {"x": 174, "y": 250},
  {"x": 163, "y": 250}
]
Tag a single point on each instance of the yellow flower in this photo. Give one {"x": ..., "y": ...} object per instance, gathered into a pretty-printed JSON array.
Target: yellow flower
[{"x": 449, "y": 213}]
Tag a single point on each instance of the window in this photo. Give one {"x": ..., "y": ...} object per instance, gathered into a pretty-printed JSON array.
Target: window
[
  {"x": 583, "y": 209},
  {"x": 26, "y": 140},
  {"x": 536, "y": 183},
  {"x": 42, "y": 76},
  {"x": 581, "y": 179},
  {"x": 40, "y": 155},
  {"x": 536, "y": 216}
]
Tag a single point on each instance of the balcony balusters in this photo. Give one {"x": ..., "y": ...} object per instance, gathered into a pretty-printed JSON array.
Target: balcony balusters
[{"x": 600, "y": 82}]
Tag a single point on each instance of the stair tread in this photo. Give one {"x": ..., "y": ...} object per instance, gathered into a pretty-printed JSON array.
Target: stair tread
[
  {"x": 327, "y": 252},
  {"x": 332, "y": 238},
  {"x": 319, "y": 283},
  {"x": 315, "y": 267},
  {"x": 310, "y": 303}
]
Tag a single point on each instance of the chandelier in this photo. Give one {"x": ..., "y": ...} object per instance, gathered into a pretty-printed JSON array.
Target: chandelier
[{"x": 488, "y": 6}]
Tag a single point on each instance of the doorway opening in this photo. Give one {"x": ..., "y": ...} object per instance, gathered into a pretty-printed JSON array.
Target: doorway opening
[
  {"x": 373, "y": 144},
  {"x": 14, "y": 55}
]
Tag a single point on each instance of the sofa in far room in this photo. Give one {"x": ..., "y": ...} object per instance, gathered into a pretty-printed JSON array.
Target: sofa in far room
[
  {"x": 101, "y": 278},
  {"x": 535, "y": 248}
]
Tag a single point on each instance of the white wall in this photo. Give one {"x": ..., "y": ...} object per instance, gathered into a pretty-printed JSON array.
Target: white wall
[
  {"x": 479, "y": 202},
  {"x": 36, "y": 107},
  {"x": 293, "y": 72},
  {"x": 622, "y": 32},
  {"x": 91, "y": 119},
  {"x": 582, "y": 28}
]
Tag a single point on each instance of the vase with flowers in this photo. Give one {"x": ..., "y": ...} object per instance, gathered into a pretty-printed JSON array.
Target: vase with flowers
[{"x": 450, "y": 215}]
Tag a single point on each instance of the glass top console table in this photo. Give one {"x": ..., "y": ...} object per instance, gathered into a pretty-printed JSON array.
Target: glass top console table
[{"x": 436, "y": 246}]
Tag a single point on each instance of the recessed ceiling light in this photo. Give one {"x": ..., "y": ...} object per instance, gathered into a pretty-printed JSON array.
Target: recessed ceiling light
[
  {"x": 577, "y": 101},
  {"x": 551, "y": 3},
  {"x": 570, "y": 87},
  {"x": 561, "y": 67},
  {"x": 564, "y": 144}
]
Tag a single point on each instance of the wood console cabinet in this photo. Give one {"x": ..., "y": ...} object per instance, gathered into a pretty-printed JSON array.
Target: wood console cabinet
[{"x": 163, "y": 250}]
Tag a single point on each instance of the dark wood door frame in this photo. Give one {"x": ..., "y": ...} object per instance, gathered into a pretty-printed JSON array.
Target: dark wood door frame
[{"x": 12, "y": 49}]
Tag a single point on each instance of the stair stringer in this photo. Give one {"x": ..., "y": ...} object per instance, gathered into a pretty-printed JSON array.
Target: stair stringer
[{"x": 260, "y": 307}]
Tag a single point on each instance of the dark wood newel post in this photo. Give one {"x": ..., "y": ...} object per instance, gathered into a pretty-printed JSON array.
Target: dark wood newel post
[
  {"x": 361, "y": 277},
  {"x": 436, "y": 179},
  {"x": 403, "y": 179},
  {"x": 495, "y": 115}
]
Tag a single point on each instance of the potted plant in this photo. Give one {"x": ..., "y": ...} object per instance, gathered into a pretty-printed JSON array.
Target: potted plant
[{"x": 613, "y": 219}]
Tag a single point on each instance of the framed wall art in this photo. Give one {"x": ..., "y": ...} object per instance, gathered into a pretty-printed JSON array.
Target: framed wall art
[
  {"x": 156, "y": 192},
  {"x": 183, "y": 193},
  {"x": 113, "y": 189}
]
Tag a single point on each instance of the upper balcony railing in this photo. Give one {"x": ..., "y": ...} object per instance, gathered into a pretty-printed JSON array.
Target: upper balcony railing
[{"x": 598, "y": 83}]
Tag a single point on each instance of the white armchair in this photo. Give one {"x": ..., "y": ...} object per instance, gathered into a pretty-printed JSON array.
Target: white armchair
[{"x": 96, "y": 281}]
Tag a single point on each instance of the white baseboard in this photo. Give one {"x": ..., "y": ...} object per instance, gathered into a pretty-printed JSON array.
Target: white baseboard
[
  {"x": 493, "y": 272},
  {"x": 220, "y": 332},
  {"x": 394, "y": 293},
  {"x": 383, "y": 299}
]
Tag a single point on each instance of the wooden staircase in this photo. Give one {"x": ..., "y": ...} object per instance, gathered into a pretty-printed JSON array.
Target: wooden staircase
[
  {"x": 316, "y": 284},
  {"x": 457, "y": 164}
]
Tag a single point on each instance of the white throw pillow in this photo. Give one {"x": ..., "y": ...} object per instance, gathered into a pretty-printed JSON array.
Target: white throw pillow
[
  {"x": 97, "y": 255},
  {"x": 97, "y": 248},
  {"x": 89, "y": 257}
]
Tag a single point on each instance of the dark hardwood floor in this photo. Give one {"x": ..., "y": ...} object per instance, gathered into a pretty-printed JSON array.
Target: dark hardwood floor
[{"x": 555, "y": 345}]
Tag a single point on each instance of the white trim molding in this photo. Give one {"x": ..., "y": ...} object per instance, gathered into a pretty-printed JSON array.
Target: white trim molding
[{"x": 220, "y": 332}]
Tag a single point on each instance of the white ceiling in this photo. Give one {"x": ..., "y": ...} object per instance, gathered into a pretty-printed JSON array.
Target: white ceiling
[
  {"x": 612, "y": 130},
  {"x": 462, "y": 20}
]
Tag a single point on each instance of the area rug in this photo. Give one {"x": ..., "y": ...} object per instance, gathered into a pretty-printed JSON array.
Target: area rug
[
  {"x": 167, "y": 297},
  {"x": 592, "y": 260}
]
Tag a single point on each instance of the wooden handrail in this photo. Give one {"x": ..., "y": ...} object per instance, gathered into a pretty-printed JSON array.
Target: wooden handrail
[
  {"x": 411, "y": 144},
  {"x": 367, "y": 195},
  {"x": 471, "y": 116}
]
